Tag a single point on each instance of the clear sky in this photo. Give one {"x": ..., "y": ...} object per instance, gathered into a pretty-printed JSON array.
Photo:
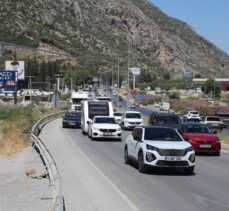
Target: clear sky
[{"x": 209, "y": 18}]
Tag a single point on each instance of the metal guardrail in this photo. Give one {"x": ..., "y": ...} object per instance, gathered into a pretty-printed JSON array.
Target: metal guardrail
[{"x": 49, "y": 162}]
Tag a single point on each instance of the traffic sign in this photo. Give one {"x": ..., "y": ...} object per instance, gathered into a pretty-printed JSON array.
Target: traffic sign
[{"x": 58, "y": 75}]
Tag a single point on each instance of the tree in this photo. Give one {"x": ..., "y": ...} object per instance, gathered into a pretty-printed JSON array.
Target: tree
[{"x": 211, "y": 87}]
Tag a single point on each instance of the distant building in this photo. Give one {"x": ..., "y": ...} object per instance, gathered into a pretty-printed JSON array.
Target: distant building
[{"x": 224, "y": 83}]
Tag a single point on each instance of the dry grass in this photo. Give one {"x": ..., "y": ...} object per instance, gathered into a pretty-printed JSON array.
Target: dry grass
[
  {"x": 11, "y": 139},
  {"x": 224, "y": 138}
]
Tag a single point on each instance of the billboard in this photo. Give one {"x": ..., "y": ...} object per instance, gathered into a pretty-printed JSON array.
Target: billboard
[
  {"x": 18, "y": 66},
  {"x": 7, "y": 81},
  {"x": 135, "y": 70}
]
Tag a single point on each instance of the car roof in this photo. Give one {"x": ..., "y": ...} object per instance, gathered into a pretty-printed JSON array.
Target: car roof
[
  {"x": 193, "y": 123},
  {"x": 104, "y": 116},
  {"x": 161, "y": 113},
  {"x": 156, "y": 127},
  {"x": 137, "y": 112}
]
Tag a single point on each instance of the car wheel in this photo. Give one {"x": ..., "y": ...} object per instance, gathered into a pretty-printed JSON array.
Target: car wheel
[
  {"x": 141, "y": 165},
  {"x": 89, "y": 136},
  {"x": 126, "y": 156},
  {"x": 189, "y": 170},
  {"x": 63, "y": 126},
  {"x": 216, "y": 153}
]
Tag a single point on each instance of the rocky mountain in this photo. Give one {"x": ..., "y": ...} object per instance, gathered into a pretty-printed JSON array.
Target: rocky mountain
[{"x": 94, "y": 32}]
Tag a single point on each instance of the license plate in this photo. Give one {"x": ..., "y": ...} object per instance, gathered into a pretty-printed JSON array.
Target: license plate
[
  {"x": 172, "y": 158},
  {"x": 72, "y": 124},
  {"x": 205, "y": 146},
  {"x": 107, "y": 134},
  {"x": 215, "y": 125}
]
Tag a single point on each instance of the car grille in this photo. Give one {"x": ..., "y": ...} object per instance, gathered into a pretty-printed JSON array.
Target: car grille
[
  {"x": 164, "y": 163},
  {"x": 107, "y": 130},
  {"x": 172, "y": 152},
  {"x": 134, "y": 123},
  {"x": 203, "y": 142}
]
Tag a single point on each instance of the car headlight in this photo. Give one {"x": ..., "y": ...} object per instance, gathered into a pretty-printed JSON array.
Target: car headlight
[
  {"x": 189, "y": 149},
  {"x": 119, "y": 129},
  {"x": 150, "y": 147},
  {"x": 192, "y": 158}
]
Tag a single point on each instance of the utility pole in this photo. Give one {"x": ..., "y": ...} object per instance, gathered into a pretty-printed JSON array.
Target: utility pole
[
  {"x": 30, "y": 81},
  {"x": 128, "y": 79}
]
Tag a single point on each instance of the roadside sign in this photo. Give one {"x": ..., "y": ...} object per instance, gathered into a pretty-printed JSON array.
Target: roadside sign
[
  {"x": 18, "y": 66},
  {"x": 58, "y": 75},
  {"x": 8, "y": 81},
  {"x": 140, "y": 97},
  {"x": 135, "y": 70}
]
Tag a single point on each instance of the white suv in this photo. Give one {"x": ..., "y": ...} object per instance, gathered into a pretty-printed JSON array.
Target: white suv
[
  {"x": 192, "y": 116},
  {"x": 104, "y": 127},
  {"x": 131, "y": 119},
  {"x": 157, "y": 146}
]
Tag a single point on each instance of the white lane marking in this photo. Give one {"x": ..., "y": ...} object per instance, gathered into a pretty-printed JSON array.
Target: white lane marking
[{"x": 122, "y": 195}]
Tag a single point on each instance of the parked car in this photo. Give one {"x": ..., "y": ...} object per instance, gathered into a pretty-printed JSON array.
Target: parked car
[
  {"x": 200, "y": 137},
  {"x": 118, "y": 116},
  {"x": 168, "y": 119},
  {"x": 131, "y": 119},
  {"x": 104, "y": 127},
  {"x": 213, "y": 122},
  {"x": 71, "y": 119},
  {"x": 224, "y": 118},
  {"x": 157, "y": 146},
  {"x": 192, "y": 116}
]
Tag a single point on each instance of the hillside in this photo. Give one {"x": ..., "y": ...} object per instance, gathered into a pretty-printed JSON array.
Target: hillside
[{"x": 96, "y": 30}]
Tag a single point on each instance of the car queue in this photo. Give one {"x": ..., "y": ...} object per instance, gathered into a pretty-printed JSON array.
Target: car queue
[{"x": 167, "y": 141}]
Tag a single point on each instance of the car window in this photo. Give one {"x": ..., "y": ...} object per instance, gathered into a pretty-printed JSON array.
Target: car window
[
  {"x": 137, "y": 133},
  {"x": 167, "y": 120},
  {"x": 161, "y": 134},
  {"x": 118, "y": 114},
  {"x": 133, "y": 116},
  {"x": 102, "y": 120},
  {"x": 213, "y": 119},
  {"x": 194, "y": 112},
  {"x": 223, "y": 115},
  {"x": 197, "y": 129},
  {"x": 71, "y": 114}
]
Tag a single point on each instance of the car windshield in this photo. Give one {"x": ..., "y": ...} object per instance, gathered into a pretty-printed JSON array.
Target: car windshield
[
  {"x": 224, "y": 115},
  {"x": 102, "y": 120},
  {"x": 167, "y": 120},
  {"x": 133, "y": 116},
  {"x": 194, "y": 112},
  {"x": 73, "y": 114},
  {"x": 161, "y": 134},
  {"x": 213, "y": 119},
  {"x": 118, "y": 114},
  {"x": 197, "y": 129}
]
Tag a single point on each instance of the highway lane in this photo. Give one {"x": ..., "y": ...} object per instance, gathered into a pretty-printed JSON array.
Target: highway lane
[{"x": 96, "y": 178}]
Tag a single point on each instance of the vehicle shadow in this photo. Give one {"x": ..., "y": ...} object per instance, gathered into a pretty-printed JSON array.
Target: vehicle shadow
[
  {"x": 106, "y": 140},
  {"x": 156, "y": 171}
]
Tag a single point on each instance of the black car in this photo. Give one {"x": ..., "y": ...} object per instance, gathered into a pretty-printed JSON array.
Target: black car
[
  {"x": 72, "y": 119},
  {"x": 168, "y": 119}
]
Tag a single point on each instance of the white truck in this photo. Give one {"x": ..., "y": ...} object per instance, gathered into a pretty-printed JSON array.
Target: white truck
[{"x": 76, "y": 99}]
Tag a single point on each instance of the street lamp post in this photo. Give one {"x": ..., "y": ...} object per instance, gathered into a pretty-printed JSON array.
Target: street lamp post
[{"x": 128, "y": 78}]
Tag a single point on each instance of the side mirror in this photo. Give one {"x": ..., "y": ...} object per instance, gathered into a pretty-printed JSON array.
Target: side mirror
[{"x": 89, "y": 122}]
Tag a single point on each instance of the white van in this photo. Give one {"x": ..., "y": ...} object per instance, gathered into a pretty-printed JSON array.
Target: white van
[{"x": 89, "y": 109}]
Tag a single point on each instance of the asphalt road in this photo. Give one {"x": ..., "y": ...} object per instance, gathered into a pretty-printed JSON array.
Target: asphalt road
[{"x": 94, "y": 177}]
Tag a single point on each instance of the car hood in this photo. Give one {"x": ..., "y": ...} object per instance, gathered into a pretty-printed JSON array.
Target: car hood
[
  {"x": 200, "y": 136},
  {"x": 134, "y": 120},
  {"x": 107, "y": 126},
  {"x": 169, "y": 144}
]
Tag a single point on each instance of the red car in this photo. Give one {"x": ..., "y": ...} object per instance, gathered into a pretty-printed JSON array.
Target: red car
[{"x": 200, "y": 137}]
